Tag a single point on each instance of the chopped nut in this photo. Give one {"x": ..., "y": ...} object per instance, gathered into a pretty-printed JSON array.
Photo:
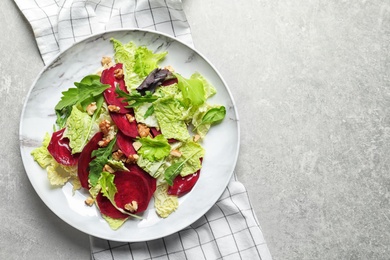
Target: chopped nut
[
  {"x": 108, "y": 168},
  {"x": 130, "y": 117},
  {"x": 143, "y": 130},
  {"x": 113, "y": 108},
  {"x": 104, "y": 142},
  {"x": 137, "y": 145},
  {"x": 104, "y": 126},
  {"x": 91, "y": 108},
  {"x": 176, "y": 153},
  {"x": 118, "y": 73},
  {"x": 170, "y": 68},
  {"x": 132, "y": 158},
  {"x": 196, "y": 138},
  {"x": 89, "y": 201},
  {"x": 118, "y": 156},
  {"x": 132, "y": 207},
  {"x": 106, "y": 60}
]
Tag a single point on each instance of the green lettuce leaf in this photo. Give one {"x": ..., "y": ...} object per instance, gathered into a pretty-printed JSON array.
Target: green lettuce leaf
[
  {"x": 192, "y": 89},
  {"x": 106, "y": 181},
  {"x": 191, "y": 152},
  {"x": 154, "y": 149},
  {"x": 114, "y": 223},
  {"x": 138, "y": 61},
  {"x": 165, "y": 204},
  {"x": 146, "y": 61},
  {"x": 206, "y": 116},
  {"x": 140, "y": 115},
  {"x": 117, "y": 165},
  {"x": 41, "y": 155},
  {"x": 168, "y": 112},
  {"x": 208, "y": 88},
  {"x": 154, "y": 169},
  {"x": 125, "y": 54},
  {"x": 77, "y": 130}
]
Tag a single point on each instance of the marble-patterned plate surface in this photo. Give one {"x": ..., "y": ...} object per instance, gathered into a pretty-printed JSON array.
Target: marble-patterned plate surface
[{"x": 38, "y": 117}]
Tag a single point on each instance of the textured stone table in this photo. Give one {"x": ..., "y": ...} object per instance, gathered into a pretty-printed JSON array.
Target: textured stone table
[{"x": 311, "y": 83}]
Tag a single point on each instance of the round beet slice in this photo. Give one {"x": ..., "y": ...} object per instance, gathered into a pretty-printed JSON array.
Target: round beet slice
[
  {"x": 182, "y": 185},
  {"x": 85, "y": 158},
  {"x": 124, "y": 125},
  {"x": 60, "y": 150},
  {"x": 125, "y": 144},
  {"x": 134, "y": 168},
  {"x": 106, "y": 208},
  {"x": 111, "y": 97},
  {"x": 132, "y": 188}
]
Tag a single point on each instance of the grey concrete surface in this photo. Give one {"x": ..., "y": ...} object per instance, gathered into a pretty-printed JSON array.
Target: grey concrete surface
[{"x": 311, "y": 83}]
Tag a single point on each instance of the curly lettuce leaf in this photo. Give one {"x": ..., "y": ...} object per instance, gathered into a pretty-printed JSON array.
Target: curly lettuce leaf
[
  {"x": 154, "y": 149},
  {"x": 192, "y": 89},
  {"x": 209, "y": 89},
  {"x": 146, "y": 61},
  {"x": 41, "y": 155}
]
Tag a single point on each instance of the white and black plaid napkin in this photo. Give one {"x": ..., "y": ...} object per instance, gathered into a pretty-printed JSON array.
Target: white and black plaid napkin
[{"x": 229, "y": 230}]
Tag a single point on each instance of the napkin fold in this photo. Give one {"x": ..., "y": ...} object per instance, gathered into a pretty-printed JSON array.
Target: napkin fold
[{"x": 230, "y": 229}]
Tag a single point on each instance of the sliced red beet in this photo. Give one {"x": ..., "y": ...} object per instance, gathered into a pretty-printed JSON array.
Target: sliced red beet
[
  {"x": 155, "y": 132},
  {"x": 182, "y": 185},
  {"x": 123, "y": 124},
  {"x": 60, "y": 150},
  {"x": 85, "y": 158},
  {"x": 132, "y": 186},
  {"x": 139, "y": 170},
  {"x": 111, "y": 97},
  {"x": 106, "y": 208},
  {"x": 125, "y": 144}
]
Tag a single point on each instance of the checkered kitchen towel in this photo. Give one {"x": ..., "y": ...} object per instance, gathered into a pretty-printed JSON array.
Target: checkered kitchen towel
[{"x": 230, "y": 229}]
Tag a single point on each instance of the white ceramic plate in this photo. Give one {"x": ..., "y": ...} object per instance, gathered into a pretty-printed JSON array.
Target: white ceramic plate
[{"x": 221, "y": 143}]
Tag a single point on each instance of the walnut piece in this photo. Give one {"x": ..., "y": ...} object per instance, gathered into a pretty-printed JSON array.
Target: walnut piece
[
  {"x": 118, "y": 73},
  {"x": 91, "y": 108},
  {"x": 108, "y": 168},
  {"x": 89, "y": 201},
  {"x": 104, "y": 126},
  {"x": 130, "y": 117},
  {"x": 170, "y": 68},
  {"x": 104, "y": 142},
  {"x": 132, "y": 207},
  {"x": 119, "y": 156},
  {"x": 113, "y": 108},
  {"x": 106, "y": 60},
  {"x": 143, "y": 130},
  {"x": 132, "y": 159}
]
